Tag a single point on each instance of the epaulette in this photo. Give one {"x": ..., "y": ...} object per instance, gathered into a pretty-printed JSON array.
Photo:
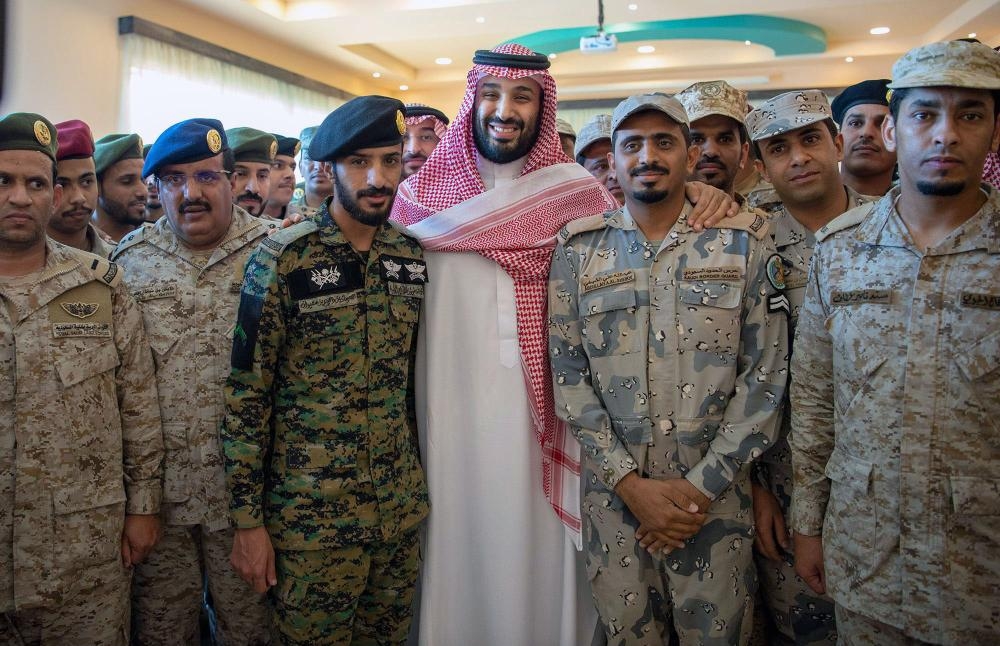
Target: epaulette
[
  {"x": 581, "y": 225},
  {"x": 103, "y": 270},
  {"x": 132, "y": 239},
  {"x": 751, "y": 220},
  {"x": 845, "y": 220},
  {"x": 275, "y": 243}
]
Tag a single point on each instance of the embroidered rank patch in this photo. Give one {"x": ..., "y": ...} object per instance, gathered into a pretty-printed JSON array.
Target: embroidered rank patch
[
  {"x": 757, "y": 223},
  {"x": 607, "y": 280},
  {"x": 68, "y": 330},
  {"x": 712, "y": 273},
  {"x": 776, "y": 272},
  {"x": 795, "y": 279},
  {"x": 856, "y": 296},
  {"x": 405, "y": 289},
  {"x": 156, "y": 291},
  {"x": 981, "y": 301},
  {"x": 327, "y": 302},
  {"x": 272, "y": 246},
  {"x": 779, "y": 303},
  {"x": 323, "y": 279},
  {"x": 80, "y": 310},
  {"x": 403, "y": 270}
]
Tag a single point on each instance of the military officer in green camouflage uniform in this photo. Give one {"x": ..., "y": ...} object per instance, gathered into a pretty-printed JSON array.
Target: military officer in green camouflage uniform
[
  {"x": 320, "y": 435},
  {"x": 670, "y": 369},
  {"x": 80, "y": 445},
  {"x": 896, "y": 396},
  {"x": 317, "y": 183},
  {"x": 186, "y": 271}
]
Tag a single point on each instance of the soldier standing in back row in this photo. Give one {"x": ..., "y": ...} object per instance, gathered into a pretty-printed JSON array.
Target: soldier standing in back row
[{"x": 80, "y": 445}]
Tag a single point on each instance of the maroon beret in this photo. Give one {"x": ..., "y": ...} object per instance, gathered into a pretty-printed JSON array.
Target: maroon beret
[{"x": 75, "y": 140}]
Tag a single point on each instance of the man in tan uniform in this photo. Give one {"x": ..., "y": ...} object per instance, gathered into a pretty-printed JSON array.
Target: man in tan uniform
[
  {"x": 186, "y": 272},
  {"x": 80, "y": 442},
  {"x": 121, "y": 204}
]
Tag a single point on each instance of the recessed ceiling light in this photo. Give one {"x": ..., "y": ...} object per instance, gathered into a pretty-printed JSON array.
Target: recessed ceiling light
[
  {"x": 444, "y": 60},
  {"x": 878, "y": 31},
  {"x": 633, "y": 7},
  {"x": 404, "y": 88},
  {"x": 645, "y": 49},
  {"x": 480, "y": 19},
  {"x": 377, "y": 75},
  {"x": 553, "y": 55},
  {"x": 747, "y": 43},
  {"x": 849, "y": 59},
  {"x": 972, "y": 35}
]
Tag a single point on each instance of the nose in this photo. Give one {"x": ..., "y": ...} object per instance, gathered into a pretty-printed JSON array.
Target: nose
[
  {"x": 192, "y": 189},
  {"x": 409, "y": 144},
  {"x": 18, "y": 194}
]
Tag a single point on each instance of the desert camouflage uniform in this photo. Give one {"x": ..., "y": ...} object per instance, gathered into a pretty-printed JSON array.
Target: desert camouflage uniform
[
  {"x": 190, "y": 312},
  {"x": 666, "y": 362},
  {"x": 798, "y": 613},
  {"x": 895, "y": 406},
  {"x": 298, "y": 204},
  {"x": 98, "y": 246},
  {"x": 320, "y": 434},
  {"x": 81, "y": 448}
]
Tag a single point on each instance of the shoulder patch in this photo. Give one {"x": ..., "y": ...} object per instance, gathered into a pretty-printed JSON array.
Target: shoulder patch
[
  {"x": 275, "y": 243},
  {"x": 582, "y": 225},
  {"x": 130, "y": 240},
  {"x": 103, "y": 270},
  {"x": 845, "y": 220},
  {"x": 751, "y": 220}
]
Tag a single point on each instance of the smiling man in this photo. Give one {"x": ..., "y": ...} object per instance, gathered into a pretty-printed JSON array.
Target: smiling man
[
  {"x": 253, "y": 153},
  {"x": 121, "y": 201},
  {"x": 282, "y": 179},
  {"x": 859, "y": 110},
  {"x": 424, "y": 128}
]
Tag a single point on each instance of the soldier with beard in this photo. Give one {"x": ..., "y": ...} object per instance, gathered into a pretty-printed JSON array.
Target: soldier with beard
[
  {"x": 859, "y": 111},
  {"x": 424, "y": 128},
  {"x": 320, "y": 434},
  {"x": 716, "y": 111},
  {"x": 253, "y": 153},
  {"x": 121, "y": 202}
]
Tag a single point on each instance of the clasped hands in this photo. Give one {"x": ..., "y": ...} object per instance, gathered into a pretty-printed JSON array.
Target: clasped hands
[{"x": 669, "y": 511}]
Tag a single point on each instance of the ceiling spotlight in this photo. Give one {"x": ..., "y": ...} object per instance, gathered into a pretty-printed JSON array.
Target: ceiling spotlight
[
  {"x": 878, "y": 31},
  {"x": 377, "y": 75},
  {"x": 444, "y": 60},
  {"x": 972, "y": 35},
  {"x": 633, "y": 7},
  {"x": 645, "y": 49},
  {"x": 747, "y": 43},
  {"x": 480, "y": 19},
  {"x": 404, "y": 88},
  {"x": 849, "y": 59}
]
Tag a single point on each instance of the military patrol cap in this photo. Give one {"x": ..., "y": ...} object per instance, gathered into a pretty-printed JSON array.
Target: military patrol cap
[
  {"x": 713, "y": 97},
  {"x": 564, "y": 127},
  {"x": 75, "y": 140},
  {"x": 28, "y": 131},
  {"x": 599, "y": 127},
  {"x": 954, "y": 63},
  {"x": 421, "y": 110},
  {"x": 306, "y": 137},
  {"x": 287, "y": 146},
  {"x": 870, "y": 92},
  {"x": 111, "y": 149},
  {"x": 668, "y": 105},
  {"x": 185, "y": 142},
  {"x": 252, "y": 145},
  {"x": 787, "y": 111},
  {"x": 362, "y": 122}
]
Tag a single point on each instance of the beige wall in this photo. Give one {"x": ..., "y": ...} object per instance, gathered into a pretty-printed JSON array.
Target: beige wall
[{"x": 63, "y": 56}]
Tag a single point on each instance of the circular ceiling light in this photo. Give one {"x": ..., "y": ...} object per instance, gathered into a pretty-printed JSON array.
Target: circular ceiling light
[
  {"x": 404, "y": 88},
  {"x": 878, "y": 31},
  {"x": 747, "y": 43},
  {"x": 377, "y": 75},
  {"x": 480, "y": 19},
  {"x": 645, "y": 49},
  {"x": 849, "y": 59},
  {"x": 444, "y": 60},
  {"x": 633, "y": 7},
  {"x": 972, "y": 35},
  {"x": 553, "y": 56}
]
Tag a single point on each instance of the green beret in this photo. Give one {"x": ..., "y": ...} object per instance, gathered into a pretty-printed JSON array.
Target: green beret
[
  {"x": 252, "y": 145},
  {"x": 288, "y": 146},
  {"x": 306, "y": 137},
  {"x": 114, "y": 148},
  {"x": 28, "y": 131}
]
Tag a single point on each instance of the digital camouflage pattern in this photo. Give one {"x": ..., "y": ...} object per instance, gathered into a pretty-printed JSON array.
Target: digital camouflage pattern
[
  {"x": 79, "y": 427},
  {"x": 98, "y": 245},
  {"x": 323, "y": 356},
  {"x": 667, "y": 362},
  {"x": 895, "y": 402},
  {"x": 189, "y": 307},
  {"x": 787, "y": 111}
]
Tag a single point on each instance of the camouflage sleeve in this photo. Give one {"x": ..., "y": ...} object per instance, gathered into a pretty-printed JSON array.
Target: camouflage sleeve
[
  {"x": 139, "y": 407},
  {"x": 812, "y": 437},
  {"x": 575, "y": 399},
  {"x": 750, "y": 423},
  {"x": 246, "y": 432}
]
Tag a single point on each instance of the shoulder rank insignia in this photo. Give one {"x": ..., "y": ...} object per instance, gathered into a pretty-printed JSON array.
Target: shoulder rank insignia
[
  {"x": 403, "y": 270},
  {"x": 80, "y": 310}
]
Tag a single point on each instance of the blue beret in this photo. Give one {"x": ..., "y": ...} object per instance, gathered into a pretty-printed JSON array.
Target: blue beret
[
  {"x": 362, "y": 122},
  {"x": 870, "y": 92},
  {"x": 185, "y": 142}
]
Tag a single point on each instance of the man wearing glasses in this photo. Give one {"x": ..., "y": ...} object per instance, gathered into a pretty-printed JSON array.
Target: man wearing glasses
[{"x": 186, "y": 272}]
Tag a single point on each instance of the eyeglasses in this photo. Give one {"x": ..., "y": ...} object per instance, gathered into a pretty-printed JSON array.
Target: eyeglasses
[{"x": 203, "y": 177}]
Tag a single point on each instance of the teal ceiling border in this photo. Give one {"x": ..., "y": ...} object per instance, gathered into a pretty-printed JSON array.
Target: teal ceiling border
[{"x": 786, "y": 37}]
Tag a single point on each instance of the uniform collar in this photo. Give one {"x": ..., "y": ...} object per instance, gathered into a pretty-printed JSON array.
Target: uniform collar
[
  {"x": 330, "y": 232},
  {"x": 243, "y": 229}
]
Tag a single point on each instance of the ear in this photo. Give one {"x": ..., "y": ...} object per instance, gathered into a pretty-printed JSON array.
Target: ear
[
  {"x": 744, "y": 154},
  {"x": 611, "y": 160},
  {"x": 759, "y": 165},
  {"x": 889, "y": 133},
  {"x": 838, "y": 143},
  {"x": 57, "y": 198},
  {"x": 996, "y": 134},
  {"x": 694, "y": 153}
]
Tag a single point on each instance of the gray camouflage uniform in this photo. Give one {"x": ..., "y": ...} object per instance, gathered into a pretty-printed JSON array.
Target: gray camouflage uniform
[
  {"x": 895, "y": 406},
  {"x": 81, "y": 448},
  {"x": 666, "y": 362},
  {"x": 190, "y": 314}
]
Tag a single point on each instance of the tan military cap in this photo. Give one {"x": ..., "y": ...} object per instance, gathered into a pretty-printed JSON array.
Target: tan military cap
[
  {"x": 713, "y": 97},
  {"x": 954, "y": 63},
  {"x": 599, "y": 127},
  {"x": 564, "y": 127},
  {"x": 668, "y": 105},
  {"x": 788, "y": 111}
]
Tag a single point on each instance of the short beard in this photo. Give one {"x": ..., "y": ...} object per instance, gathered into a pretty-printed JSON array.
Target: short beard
[
  {"x": 650, "y": 196},
  {"x": 492, "y": 151},
  {"x": 350, "y": 204},
  {"x": 940, "y": 189},
  {"x": 119, "y": 212}
]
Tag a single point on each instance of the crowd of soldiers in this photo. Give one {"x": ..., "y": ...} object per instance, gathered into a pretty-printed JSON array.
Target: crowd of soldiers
[{"x": 241, "y": 410}]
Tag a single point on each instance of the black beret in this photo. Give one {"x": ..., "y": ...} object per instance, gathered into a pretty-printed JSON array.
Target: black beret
[
  {"x": 287, "y": 146},
  {"x": 419, "y": 110},
  {"x": 185, "y": 142},
  {"x": 870, "y": 92},
  {"x": 362, "y": 122}
]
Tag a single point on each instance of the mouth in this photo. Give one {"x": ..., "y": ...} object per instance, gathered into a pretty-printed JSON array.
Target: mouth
[
  {"x": 78, "y": 213},
  {"x": 943, "y": 162},
  {"x": 803, "y": 177},
  {"x": 865, "y": 148},
  {"x": 503, "y": 132}
]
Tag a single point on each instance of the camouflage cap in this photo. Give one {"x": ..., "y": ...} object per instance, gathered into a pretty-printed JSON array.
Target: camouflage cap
[
  {"x": 111, "y": 149},
  {"x": 599, "y": 127},
  {"x": 668, "y": 105},
  {"x": 564, "y": 127},
  {"x": 953, "y": 63},
  {"x": 306, "y": 137},
  {"x": 713, "y": 97},
  {"x": 28, "y": 131},
  {"x": 788, "y": 111},
  {"x": 252, "y": 145}
]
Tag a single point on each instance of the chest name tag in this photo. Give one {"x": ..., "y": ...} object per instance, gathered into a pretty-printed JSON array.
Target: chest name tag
[
  {"x": 150, "y": 293},
  {"x": 712, "y": 273},
  {"x": 607, "y": 280},
  {"x": 857, "y": 296},
  {"x": 68, "y": 330},
  {"x": 795, "y": 279},
  {"x": 405, "y": 289},
  {"x": 330, "y": 301},
  {"x": 981, "y": 301}
]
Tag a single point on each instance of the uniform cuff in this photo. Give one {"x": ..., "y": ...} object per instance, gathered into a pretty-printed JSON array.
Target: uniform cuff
[
  {"x": 142, "y": 499},
  {"x": 246, "y": 517},
  {"x": 615, "y": 465},
  {"x": 710, "y": 486},
  {"x": 807, "y": 517}
]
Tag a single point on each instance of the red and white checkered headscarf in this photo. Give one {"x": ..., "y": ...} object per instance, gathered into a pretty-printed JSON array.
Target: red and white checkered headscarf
[
  {"x": 991, "y": 171},
  {"x": 440, "y": 127},
  {"x": 521, "y": 246}
]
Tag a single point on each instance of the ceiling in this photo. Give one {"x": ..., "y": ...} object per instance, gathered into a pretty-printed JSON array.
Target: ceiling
[{"x": 784, "y": 43}]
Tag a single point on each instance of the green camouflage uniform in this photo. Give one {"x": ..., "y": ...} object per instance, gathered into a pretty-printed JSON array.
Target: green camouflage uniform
[
  {"x": 320, "y": 434},
  {"x": 189, "y": 305},
  {"x": 667, "y": 362}
]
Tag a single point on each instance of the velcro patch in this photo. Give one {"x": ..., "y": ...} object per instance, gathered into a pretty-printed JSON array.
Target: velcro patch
[
  {"x": 712, "y": 273},
  {"x": 327, "y": 302},
  {"x": 323, "y": 279},
  {"x": 156, "y": 291},
  {"x": 404, "y": 289},
  {"x": 67, "y": 330},
  {"x": 856, "y": 296},
  {"x": 779, "y": 303},
  {"x": 403, "y": 270},
  {"x": 981, "y": 301},
  {"x": 607, "y": 280}
]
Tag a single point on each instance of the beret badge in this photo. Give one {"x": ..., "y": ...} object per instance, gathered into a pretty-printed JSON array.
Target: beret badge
[
  {"x": 298, "y": 147},
  {"x": 214, "y": 141},
  {"x": 273, "y": 150},
  {"x": 42, "y": 133},
  {"x": 400, "y": 122}
]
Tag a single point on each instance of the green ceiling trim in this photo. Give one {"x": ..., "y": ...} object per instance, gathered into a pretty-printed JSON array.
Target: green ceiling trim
[{"x": 786, "y": 37}]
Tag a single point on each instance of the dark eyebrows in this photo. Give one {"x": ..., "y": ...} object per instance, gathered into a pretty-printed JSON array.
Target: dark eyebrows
[{"x": 492, "y": 85}]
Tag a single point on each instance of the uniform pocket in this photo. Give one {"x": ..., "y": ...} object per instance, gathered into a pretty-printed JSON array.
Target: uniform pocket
[
  {"x": 980, "y": 366},
  {"x": 320, "y": 469},
  {"x": 88, "y": 523},
  {"x": 849, "y": 526},
  {"x": 610, "y": 322},
  {"x": 176, "y": 463},
  {"x": 973, "y": 539},
  {"x": 708, "y": 315},
  {"x": 88, "y": 383}
]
